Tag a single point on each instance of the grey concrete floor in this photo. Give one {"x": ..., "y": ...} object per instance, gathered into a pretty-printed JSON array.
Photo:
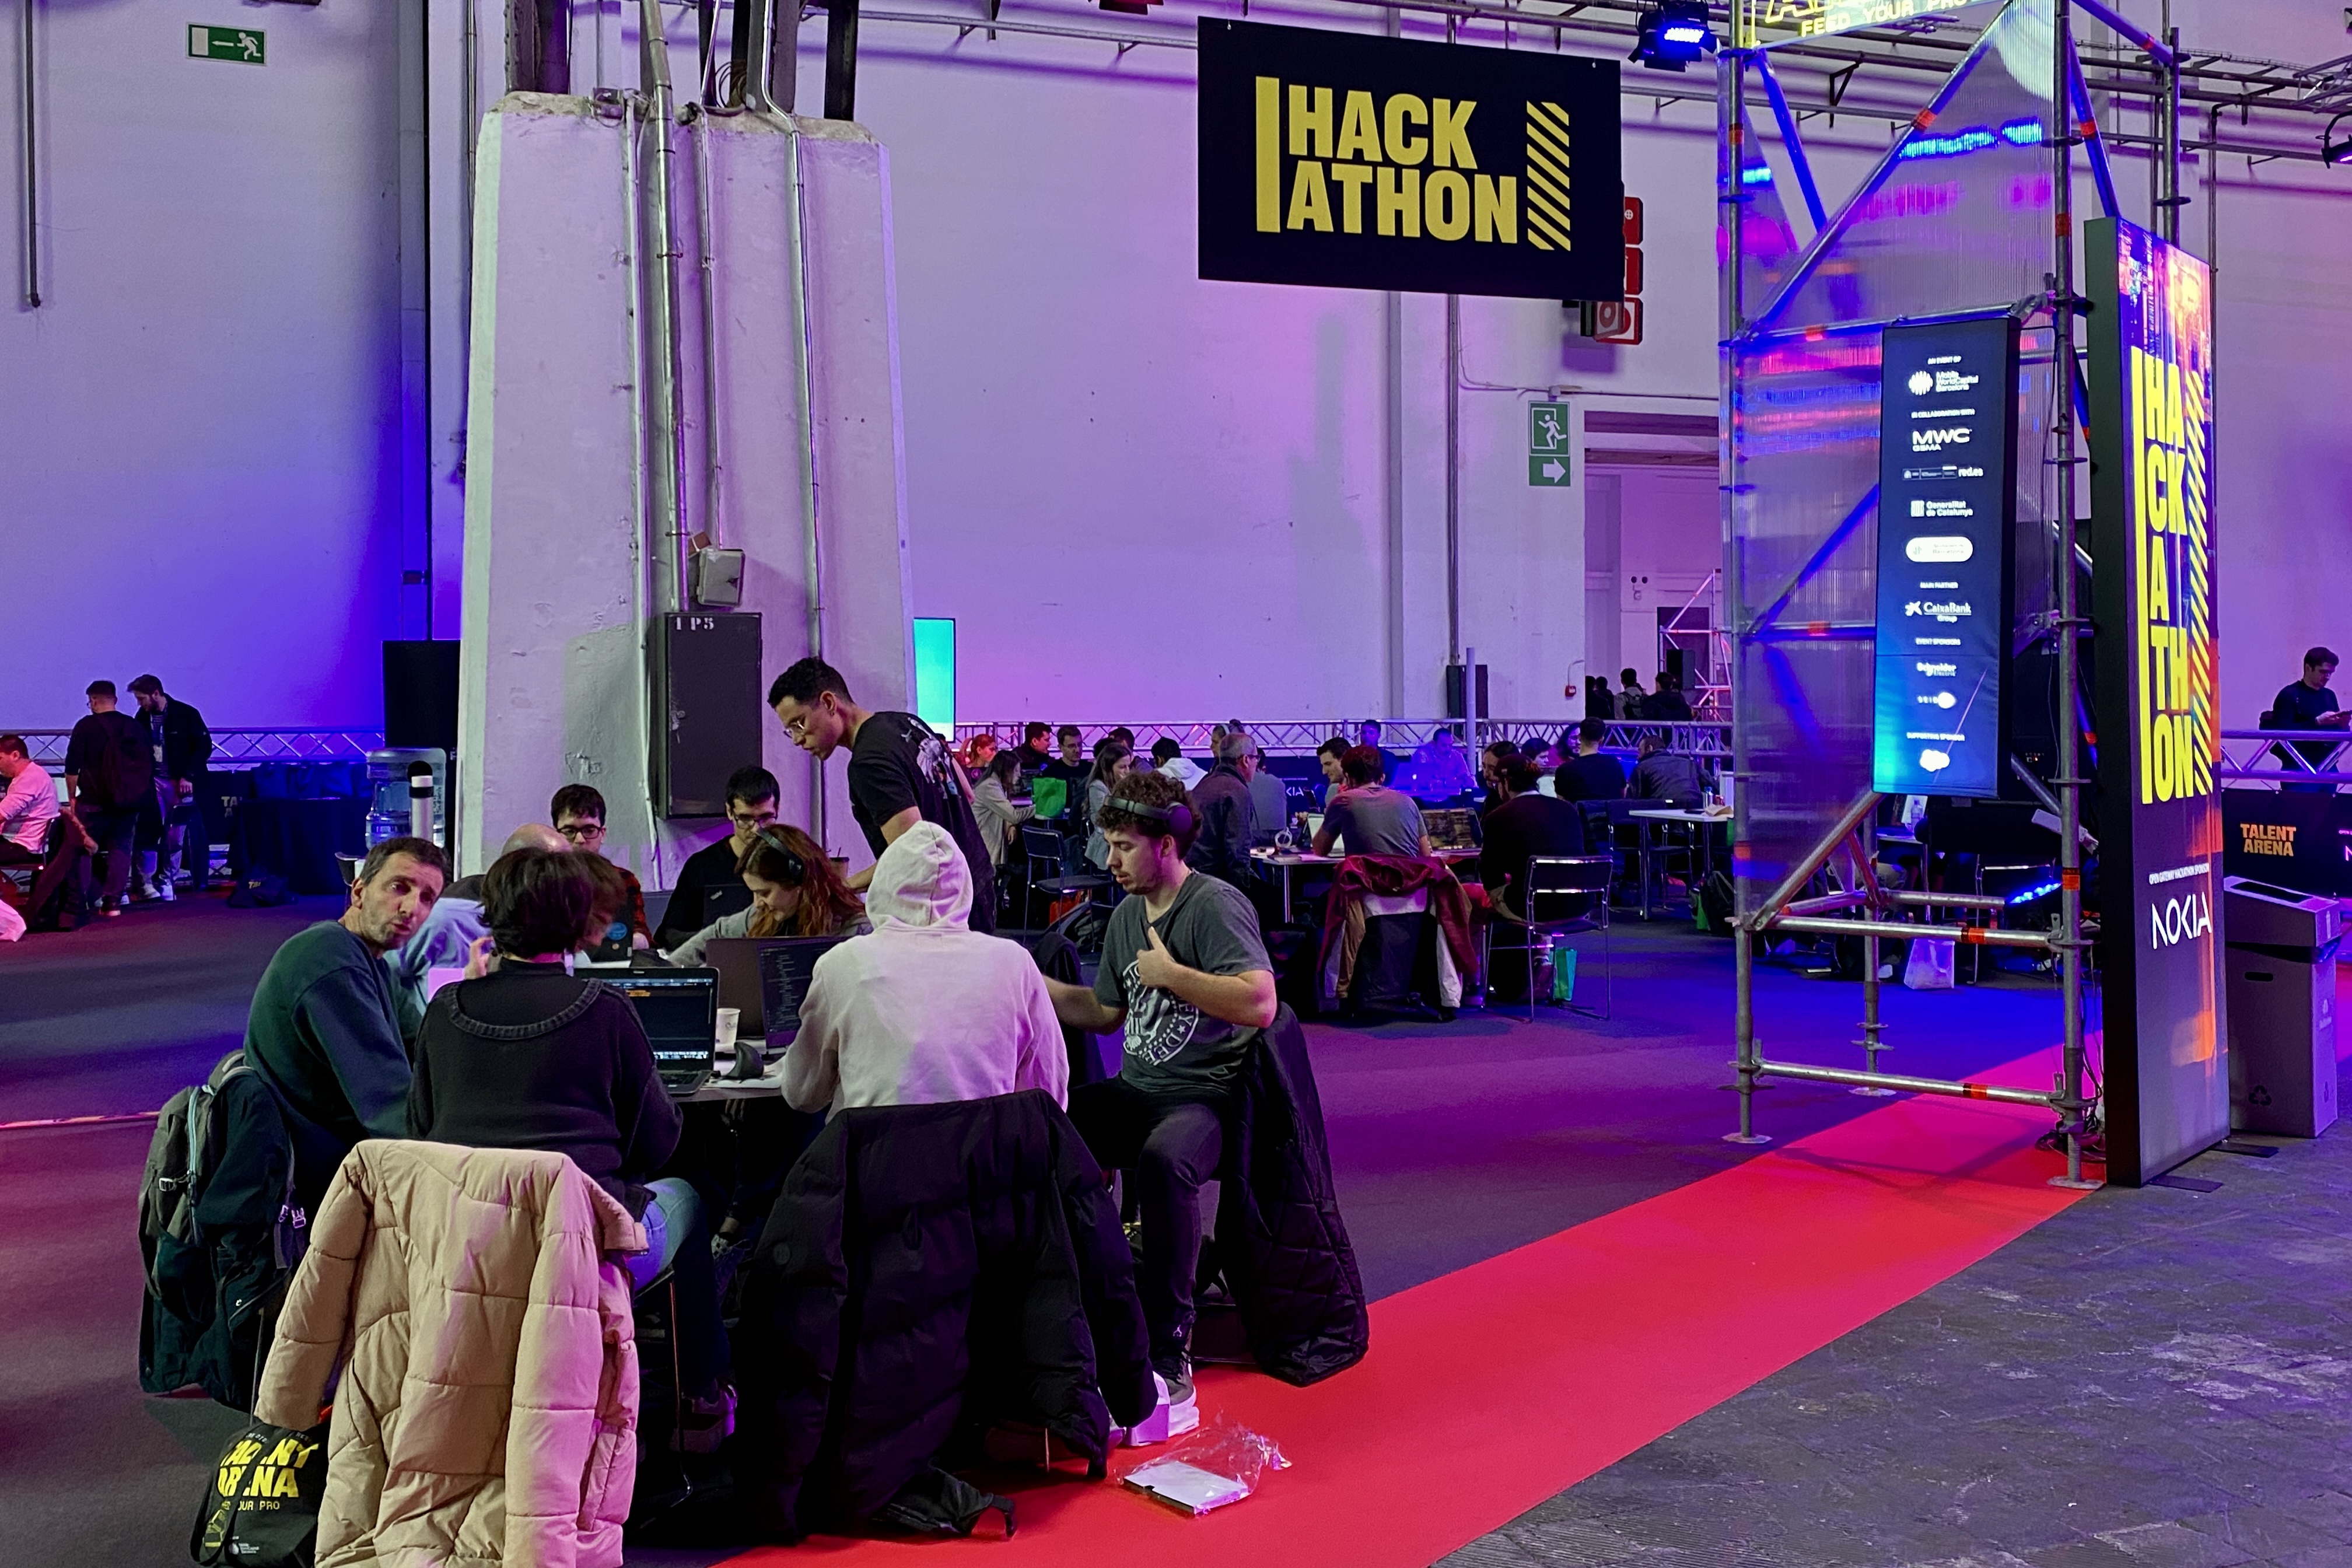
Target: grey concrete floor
[{"x": 2153, "y": 1379}]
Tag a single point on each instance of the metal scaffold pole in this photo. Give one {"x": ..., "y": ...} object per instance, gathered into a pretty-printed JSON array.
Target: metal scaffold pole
[
  {"x": 2068, "y": 1102},
  {"x": 1731, "y": 68}
]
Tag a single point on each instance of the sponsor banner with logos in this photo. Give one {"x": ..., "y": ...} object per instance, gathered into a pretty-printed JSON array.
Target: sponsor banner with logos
[
  {"x": 2160, "y": 822},
  {"x": 1946, "y": 549},
  {"x": 1357, "y": 161}
]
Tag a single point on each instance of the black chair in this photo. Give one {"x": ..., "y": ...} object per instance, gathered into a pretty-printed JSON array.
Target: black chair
[
  {"x": 1563, "y": 895},
  {"x": 1041, "y": 870}
]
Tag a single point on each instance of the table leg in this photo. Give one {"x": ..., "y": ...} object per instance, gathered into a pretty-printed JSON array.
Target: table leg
[{"x": 1286, "y": 870}]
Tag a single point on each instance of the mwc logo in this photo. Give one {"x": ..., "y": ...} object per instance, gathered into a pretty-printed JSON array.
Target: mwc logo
[{"x": 2180, "y": 919}]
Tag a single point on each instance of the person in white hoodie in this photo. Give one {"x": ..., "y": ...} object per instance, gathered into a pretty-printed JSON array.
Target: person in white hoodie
[{"x": 925, "y": 1009}]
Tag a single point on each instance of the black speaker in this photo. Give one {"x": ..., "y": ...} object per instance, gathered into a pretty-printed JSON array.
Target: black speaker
[
  {"x": 1454, "y": 705},
  {"x": 1675, "y": 667},
  {"x": 420, "y": 695},
  {"x": 707, "y": 678}
]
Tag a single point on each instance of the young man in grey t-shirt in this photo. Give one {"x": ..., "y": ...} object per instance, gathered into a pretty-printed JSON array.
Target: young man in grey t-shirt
[
  {"x": 1185, "y": 972},
  {"x": 1367, "y": 817}
]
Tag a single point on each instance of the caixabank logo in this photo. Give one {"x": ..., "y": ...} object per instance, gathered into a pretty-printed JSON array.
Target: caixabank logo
[{"x": 1364, "y": 163}]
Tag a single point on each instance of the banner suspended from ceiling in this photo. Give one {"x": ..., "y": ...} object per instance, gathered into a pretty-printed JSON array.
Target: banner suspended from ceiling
[{"x": 1355, "y": 162}]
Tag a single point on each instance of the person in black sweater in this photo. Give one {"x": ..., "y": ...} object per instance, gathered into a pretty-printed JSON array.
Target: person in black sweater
[
  {"x": 526, "y": 1057},
  {"x": 750, "y": 806},
  {"x": 1592, "y": 773},
  {"x": 1527, "y": 823}
]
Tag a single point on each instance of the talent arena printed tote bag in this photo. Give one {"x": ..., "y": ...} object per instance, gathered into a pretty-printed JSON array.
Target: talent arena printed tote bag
[{"x": 261, "y": 1508}]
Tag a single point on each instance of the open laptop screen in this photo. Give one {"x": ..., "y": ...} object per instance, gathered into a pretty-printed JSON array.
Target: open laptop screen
[
  {"x": 784, "y": 971},
  {"x": 679, "y": 1009}
]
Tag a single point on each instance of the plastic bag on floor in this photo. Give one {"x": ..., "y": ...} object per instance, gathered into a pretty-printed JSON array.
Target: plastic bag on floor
[
  {"x": 12, "y": 924},
  {"x": 1217, "y": 1464},
  {"x": 1929, "y": 967}
]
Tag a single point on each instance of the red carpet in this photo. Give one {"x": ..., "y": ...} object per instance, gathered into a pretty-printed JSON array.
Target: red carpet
[{"x": 1496, "y": 1387}]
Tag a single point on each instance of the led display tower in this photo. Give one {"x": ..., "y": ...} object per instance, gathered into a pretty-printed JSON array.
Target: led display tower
[{"x": 1902, "y": 407}]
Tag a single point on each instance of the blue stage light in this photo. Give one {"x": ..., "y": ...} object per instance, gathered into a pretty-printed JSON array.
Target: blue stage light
[
  {"x": 2032, "y": 891},
  {"x": 1673, "y": 34}
]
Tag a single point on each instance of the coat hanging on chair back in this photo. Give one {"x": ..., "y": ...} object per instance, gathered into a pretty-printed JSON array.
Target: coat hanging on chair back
[{"x": 490, "y": 1394}]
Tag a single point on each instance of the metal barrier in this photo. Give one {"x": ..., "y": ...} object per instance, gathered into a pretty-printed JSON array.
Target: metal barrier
[
  {"x": 2244, "y": 752},
  {"x": 234, "y": 749},
  {"x": 1711, "y": 743}
]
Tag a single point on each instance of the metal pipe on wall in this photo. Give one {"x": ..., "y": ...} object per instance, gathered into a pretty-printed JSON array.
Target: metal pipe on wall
[
  {"x": 28, "y": 81},
  {"x": 660, "y": 117},
  {"x": 1453, "y": 481},
  {"x": 704, "y": 248},
  {"x": 804, "y": 409}
]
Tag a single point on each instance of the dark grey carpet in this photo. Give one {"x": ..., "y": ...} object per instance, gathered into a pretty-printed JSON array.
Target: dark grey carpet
[{"x": 1450, "y": 1144}]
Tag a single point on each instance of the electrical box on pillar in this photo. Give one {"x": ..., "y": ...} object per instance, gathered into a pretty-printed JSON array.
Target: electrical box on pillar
[{"x": 707, "y": 680}]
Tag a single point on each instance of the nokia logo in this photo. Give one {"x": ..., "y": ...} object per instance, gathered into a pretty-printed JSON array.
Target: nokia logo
[{"x": 2180, "y": 919}]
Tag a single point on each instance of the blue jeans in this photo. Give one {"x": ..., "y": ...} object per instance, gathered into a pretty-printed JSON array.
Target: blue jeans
[
  {"x": 676, "y": 1236},
  {"x": 668, "y": 1218}
]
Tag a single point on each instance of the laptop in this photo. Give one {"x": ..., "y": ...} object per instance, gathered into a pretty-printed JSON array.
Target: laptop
[
  {"x": 741, "y": 983},
  {"x": 785, "y": 969},
  {"x": 1314, "y": 826},
  {"x": 1450, "y": 827},
  {"x": 679, "y": 1011},
  {"x": 723, "y": 900}
]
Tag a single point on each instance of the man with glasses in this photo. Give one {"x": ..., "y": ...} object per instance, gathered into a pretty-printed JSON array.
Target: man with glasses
[
  {"x": 578, "y": 813},
  {"x": 751, "y": 795},
  {"x": 900, "y": 772}
]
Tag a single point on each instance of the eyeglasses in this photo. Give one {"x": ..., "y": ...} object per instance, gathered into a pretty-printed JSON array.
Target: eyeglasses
[
  {"x": 754, "y": 819},
  {"x": 580, "y": 832}
]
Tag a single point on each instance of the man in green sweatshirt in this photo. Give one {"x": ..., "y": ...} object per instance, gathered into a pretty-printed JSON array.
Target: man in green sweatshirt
[{"x": 325, "y": 1032}]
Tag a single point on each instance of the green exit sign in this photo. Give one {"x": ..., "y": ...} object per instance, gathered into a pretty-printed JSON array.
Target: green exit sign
[
  {"x": 242, "y": 45},
  {"x": 1547, "y": 444}
]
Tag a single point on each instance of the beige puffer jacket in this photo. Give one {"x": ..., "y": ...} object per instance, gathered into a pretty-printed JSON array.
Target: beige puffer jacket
[{"x": 489, "y": 1410}]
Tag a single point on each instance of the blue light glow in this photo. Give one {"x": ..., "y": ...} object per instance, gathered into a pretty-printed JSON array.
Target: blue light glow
[
  {"x": 1758, "y": 174},
  {"x": 1975, "y": 139},
  {"x": 2032, "y": 892},
  {"x": 1682, "y": 33}
]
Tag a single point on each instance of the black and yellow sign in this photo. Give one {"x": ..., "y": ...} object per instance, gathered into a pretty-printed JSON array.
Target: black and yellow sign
[
  {"x": 2160, "y": 822},
  {"x": 1356, "y": 162}
]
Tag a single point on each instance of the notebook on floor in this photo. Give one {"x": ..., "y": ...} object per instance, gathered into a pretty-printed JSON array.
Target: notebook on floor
[{"x": 679, "y": 1009}]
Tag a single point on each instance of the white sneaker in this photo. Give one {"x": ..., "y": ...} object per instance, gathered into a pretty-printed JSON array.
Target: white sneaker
[
  {"x": 164, "y": 890},
  {"x": 1178, "y": 1412}
]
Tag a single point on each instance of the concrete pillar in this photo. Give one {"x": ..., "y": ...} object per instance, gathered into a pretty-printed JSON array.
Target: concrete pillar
[{"x": 553, "y": 684}]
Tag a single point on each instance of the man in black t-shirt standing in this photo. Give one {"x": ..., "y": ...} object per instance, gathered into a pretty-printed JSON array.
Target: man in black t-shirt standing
[
  {"x": 110, "y": 780},
  {"x": 900, "y": 770},
  {"x": 1185, "y": 973}
]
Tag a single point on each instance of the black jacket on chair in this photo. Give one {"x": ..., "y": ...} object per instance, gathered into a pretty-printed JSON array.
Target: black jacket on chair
[
  {"x": 1280, "y": 1239},
  {"x": 930, "y": 1270}
]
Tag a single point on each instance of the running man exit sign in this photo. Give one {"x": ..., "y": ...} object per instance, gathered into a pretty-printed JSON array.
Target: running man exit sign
[{"x": 242, "y": 45}]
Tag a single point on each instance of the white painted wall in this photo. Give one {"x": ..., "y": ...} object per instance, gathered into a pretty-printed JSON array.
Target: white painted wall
[
  {"x": 201, "y": 434},
  {"x": 1141, "y": 494}
]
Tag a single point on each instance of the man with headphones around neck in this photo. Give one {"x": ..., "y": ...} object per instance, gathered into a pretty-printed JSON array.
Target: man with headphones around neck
[{"x": 1185, "y": 974}]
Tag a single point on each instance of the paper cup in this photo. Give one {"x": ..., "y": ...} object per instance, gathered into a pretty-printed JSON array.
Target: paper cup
[{"x": 729, "y": 1018}]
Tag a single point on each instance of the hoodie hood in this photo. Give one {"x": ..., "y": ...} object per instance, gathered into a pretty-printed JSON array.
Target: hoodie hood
[{"x": 922, "y": 881}]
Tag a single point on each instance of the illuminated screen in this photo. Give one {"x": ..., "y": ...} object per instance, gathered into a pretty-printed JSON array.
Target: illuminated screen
[
  {"x": 1792, "y": 19},
  {"x": 1946, "y": 555},
  {"x": 2151, "y": 333},
  {"x": 935, "y": 673}
]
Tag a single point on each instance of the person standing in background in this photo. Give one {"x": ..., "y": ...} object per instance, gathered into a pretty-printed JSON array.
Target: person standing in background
[
  {"x": 182, "y": 747},
  {"x": 900, "y": 772},
  {"x": 109, "y": 781},
  {"x": 1600, "y": 702},
  {"x": 1630, "y": 695},
  {"x": 1069, "y": 764}
]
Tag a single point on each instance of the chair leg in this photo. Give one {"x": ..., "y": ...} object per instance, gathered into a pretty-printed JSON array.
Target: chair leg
[{"x": 1529, "y": 955}]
